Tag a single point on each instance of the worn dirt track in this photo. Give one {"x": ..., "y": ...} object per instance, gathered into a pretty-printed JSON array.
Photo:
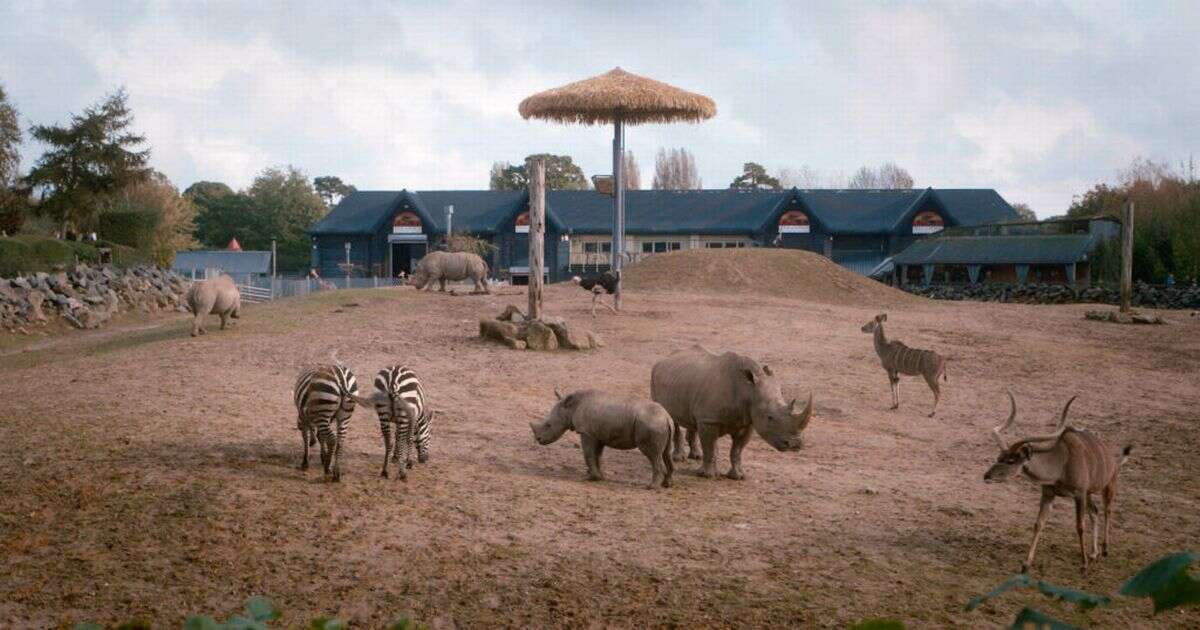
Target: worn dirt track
[{"x": 150, "y": 475}]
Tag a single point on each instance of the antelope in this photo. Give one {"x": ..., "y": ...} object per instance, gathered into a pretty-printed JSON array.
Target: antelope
[
  {"x": 1070, "y": 462},
  {"x": 898, "y": 359}
]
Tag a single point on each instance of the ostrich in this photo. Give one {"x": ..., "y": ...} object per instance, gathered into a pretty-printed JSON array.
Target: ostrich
[{"x": 599, "y": 284}]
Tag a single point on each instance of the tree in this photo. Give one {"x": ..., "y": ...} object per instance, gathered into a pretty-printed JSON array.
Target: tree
[
  {"x": 221, "y": 218},
  {"x": 675, "y": 170},
  {"x": 10, "y": 142},
  {"x": 201, "y": 193},
  {"x": 285, "y": 206},
  {"x": 1024, "y": 211},
  {"x": 803, "y": 177},
  {"x": 1166, "y": 237},
  {"x": 754, "y": 177},
  {"x": 331, "y": 189},
  {"x": 561, "y": 174},
  {"x": 894, "y": 177},
  {"x": 174, "y": 216},
  {"x": 93, "y": 157},
  {"x": 887, "y": 176},
  {"x": 633, "y": 174}
]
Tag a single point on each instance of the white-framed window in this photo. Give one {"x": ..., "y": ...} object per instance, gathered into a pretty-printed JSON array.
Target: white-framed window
[
  {"x": 597, "y": 248},
  {"x": 725, "y": 244},
  {"x": 658, "y": 247}
]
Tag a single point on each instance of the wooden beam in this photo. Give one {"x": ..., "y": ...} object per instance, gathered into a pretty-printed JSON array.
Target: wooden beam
[
  {"x": 1127, "y": 257},
  {"x": 537, "y": 236}
]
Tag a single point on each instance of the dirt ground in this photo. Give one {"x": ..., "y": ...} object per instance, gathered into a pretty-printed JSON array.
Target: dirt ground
[{"x": 145, "y": 474}]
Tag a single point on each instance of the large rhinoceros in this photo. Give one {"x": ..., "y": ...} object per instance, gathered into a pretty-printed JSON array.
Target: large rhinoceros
[
  {"x": 725, "y": 394},
  {"x": 216, "y": 296},
  {"x": 442, "y": 266}
]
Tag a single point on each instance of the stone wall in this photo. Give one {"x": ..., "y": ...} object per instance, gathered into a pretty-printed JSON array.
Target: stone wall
[
  {"x": 86, "y": 296},
  {"x": 1145, "y": 295}
]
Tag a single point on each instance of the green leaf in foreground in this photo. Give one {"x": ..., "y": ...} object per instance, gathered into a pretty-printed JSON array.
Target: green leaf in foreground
[
  {"x": 1167, "y": 582},
  {"x": 878, "y": 624},
  {"x": 201, "y": 622},
  {"x": 1016, "y": 581},
  {"x": 328, "y": 623},
  {"x": 87, "y": 625},
  {"x": 1085, "y": 600},
  {"x": 260, "y": 609},
  {"x": 1033, "y": 619}
]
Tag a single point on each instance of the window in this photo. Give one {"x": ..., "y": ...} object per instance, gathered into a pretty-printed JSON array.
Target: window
[
  {"x": 592, "y": 248},
  {"x": 721, "y": 244},
  {"x": 658, "y": 247}
]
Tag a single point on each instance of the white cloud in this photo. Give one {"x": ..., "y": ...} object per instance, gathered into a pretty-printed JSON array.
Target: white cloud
[{"x": 1039, "y": 100}]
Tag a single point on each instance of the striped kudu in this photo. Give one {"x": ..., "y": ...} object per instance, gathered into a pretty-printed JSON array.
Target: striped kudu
[
  {"x": 898, "y": 359},
  {"x": 1070, "y": 462}
]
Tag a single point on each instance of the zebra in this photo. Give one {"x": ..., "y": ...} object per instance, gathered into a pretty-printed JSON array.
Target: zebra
[
  {"x": 398, "y": 399},
  {"x": 898, "y": 359},
  {"x": 325, "y": 395}
]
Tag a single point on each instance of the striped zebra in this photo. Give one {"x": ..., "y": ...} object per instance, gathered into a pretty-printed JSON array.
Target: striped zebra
[
  {"x": 898, "y": 359},
  {"x": 325, "y": 398},
  {"x": 398, "y": 399}
]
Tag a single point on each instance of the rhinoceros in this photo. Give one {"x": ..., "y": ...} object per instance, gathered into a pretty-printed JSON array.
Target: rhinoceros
[
  {"x": 442, "y": 266},
  {"x": 725, "y": 394},
  {"x": 602, "y": 420},
  {"x": 215, "y": 296}
]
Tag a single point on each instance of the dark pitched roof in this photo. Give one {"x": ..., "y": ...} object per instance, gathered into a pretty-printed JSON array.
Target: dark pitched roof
[
  {"x": 722, "y": 211},
  {"x": 985, "y": 250},
  {"x": 359, "y": 212},
  {"x": 225, "y": 260},
  {"x": 477, "y": 211}
]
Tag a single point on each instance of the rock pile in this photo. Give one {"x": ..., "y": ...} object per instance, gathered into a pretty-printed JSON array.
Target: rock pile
[
  {"x": 513, "y": 329},
  {"x": 1144, "y": 295},
  {"x": 86, "y": 296}
]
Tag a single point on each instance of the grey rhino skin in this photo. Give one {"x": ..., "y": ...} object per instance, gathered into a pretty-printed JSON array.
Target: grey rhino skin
[
  {"x": 215, "y": 296},
  {"x": 725, "y": 394},
  {"x": 603, "y": 420},
  {"x": 454, "y": 266}
]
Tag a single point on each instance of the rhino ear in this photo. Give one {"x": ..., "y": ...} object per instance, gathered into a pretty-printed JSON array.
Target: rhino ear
[
  {"x": 557, "y": 394},
  {"x": 882, "y": 317},
  {"x": 767, "y": 370},
  {"x": 570, "y": 401},
  {"x": 750, "y": 376}
]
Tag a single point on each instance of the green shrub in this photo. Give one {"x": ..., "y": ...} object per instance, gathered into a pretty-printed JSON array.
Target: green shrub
[{"x": 26, "y": 253}]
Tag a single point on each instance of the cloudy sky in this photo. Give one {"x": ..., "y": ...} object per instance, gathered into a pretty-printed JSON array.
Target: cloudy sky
[{"x": 1039, "y": 101}]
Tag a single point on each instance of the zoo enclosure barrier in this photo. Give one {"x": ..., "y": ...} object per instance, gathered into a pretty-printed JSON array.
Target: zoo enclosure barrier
[{"x": 265, "y": 288}]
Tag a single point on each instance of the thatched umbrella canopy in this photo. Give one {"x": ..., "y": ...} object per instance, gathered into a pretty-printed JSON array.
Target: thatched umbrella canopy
[
  {"x": 616, "y": 96},
  {"x": 621, "y": 98}
]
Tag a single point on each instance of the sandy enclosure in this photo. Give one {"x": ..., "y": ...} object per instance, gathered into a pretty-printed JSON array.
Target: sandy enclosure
[{"x": 145, "y": 474}]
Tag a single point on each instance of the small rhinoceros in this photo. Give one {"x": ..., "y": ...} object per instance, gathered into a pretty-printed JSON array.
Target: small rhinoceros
[
  {"x": 215, "y": 296},
  {"x": 454, "y": 266},
  {"x": 603, "y": 420},
  {"x": 725, "y": 394}
]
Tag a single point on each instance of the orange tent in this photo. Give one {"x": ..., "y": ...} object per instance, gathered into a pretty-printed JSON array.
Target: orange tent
[{"x": 234, "y": 245}]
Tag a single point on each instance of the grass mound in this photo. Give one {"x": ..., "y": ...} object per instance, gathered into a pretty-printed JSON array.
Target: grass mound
[
  {"x": 25, "y": 253},
  {"x": 784, "y": 273}
]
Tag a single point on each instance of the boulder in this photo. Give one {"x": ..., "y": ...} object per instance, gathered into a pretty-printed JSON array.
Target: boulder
[
  {"x": 539, "y": 336},
  {"x": 571, "y": 339}
]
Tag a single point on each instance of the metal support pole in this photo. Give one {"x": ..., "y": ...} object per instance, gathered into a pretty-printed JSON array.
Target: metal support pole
[
  {"x": 273, "y": 268},
  {"x": 1127, "y": 257},
  {"x": 618, "y": 244},
  {"x": 347, "y": 264},
  {"x": 449, "y": 219}
]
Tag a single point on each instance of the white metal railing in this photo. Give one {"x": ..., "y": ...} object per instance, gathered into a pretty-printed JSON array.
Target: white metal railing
[{"x": 254, "y": 294}]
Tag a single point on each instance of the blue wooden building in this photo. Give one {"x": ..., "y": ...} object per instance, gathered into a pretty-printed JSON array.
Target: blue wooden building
[{"x": 386, "y": 232}]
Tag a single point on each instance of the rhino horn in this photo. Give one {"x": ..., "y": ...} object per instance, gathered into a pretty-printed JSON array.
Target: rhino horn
[
  {"x": 804, "y": 416},
  {"x": 558, "y": 394}
]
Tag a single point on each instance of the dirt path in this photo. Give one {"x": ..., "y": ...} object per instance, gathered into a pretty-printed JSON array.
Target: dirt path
[{"x": 152, "y": 475}]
